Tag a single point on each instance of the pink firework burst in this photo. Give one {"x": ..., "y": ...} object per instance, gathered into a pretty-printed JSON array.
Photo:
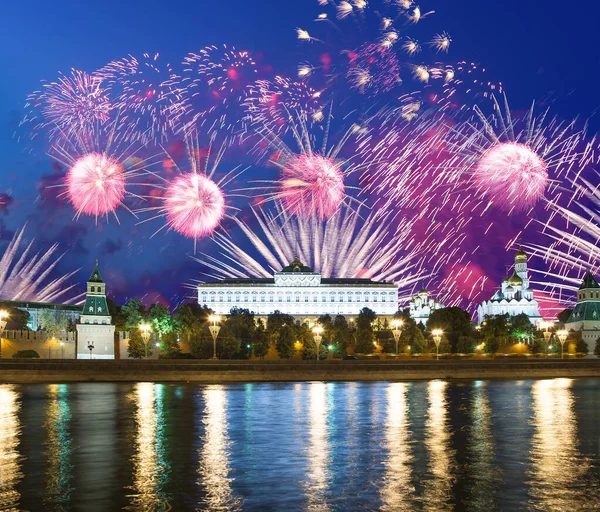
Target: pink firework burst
[
  {"x": 194, "y": 204},
  {"x": 96, "y": 184},
  {"x": 512, "y": 175},
  {"x": 311, "y": 184}
]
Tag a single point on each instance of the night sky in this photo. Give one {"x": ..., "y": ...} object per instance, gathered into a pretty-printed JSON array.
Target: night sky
[{"x": 543, "y": 51}]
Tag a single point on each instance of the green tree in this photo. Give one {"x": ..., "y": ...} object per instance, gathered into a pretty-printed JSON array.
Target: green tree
[
  {"x": 201, "y": 343},
  {"x": 160, "y": 319},
  {"x": 285, "y": 341},
  {"x": 228, "y": 346},
  {"x": 521, "y": 328},
  {"x": 260, "y": 340},
  {"x": 169, "y": 345},
  {"x": 597, "y": 347},
  {"x": 305, "y": 335},
  {"x": 494, "y": 332},
  {"x": 134, "y": 314},
  {"x": 16, "y": 319},
  {"x": 114, "y": 310},
  {"x": 136, "y": 347},
  {"x": 364, "y": 335},
  {"x": 54, "y": 322},
  {"x": 454, "y": 321},
  {"x": 275, "y": 322},
  {"x": 240, "y": 323},
  {"x": 340, "y": 336},
  {"x": 466, "y": 345}
]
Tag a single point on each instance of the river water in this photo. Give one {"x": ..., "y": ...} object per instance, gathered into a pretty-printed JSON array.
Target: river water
[{"x": 398, "y": 446}]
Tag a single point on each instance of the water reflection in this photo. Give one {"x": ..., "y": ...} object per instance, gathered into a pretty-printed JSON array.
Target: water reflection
[
  {"x": 215, "y": 453},
  {"x": 10, "y": 463},
  {"x": 438, "y": 486},
  {"x": 59, "y": 469},
  {"x": 150, "y": 466},
  {"x": 318, "y": 447},
  {"x": 558, "y": 466},
  {"x": 398, "y": 491},
  {"x": 483, "y": 472}
]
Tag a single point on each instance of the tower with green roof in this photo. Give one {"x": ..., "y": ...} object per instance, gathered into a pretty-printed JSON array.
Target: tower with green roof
[
  {"x": 586, "y": 315},
  {"x": 95, "y": 329}
]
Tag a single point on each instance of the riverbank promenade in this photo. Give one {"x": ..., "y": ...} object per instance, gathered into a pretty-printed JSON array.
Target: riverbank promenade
[{"x": 19, "y": 371}]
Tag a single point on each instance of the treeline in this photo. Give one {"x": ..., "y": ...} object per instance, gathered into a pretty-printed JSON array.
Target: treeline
[{"x": 243, "y": 335}]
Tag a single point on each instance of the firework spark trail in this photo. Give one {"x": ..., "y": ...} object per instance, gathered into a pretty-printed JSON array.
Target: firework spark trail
[
  {"x": 216, "y": 83},
  {"x": 572, "y": 246},
  {"x": 99, "y": 165},
  {"x": 345, "y": 245},
  {"x": 148, "y": 95},
  {"x": 24, "y": 276},
  {"x": 194, "y": 203},
  {"x": 368, "y": 45},
  {"x": 72, "y": 103},
  {"x": 269, "y": 103}
]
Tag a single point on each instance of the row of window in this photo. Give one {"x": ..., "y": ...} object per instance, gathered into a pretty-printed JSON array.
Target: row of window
[
  {"x": 95, "y": 322},
  {"x": 297, "y": 298},
  {"x": 583, "y": 295}
]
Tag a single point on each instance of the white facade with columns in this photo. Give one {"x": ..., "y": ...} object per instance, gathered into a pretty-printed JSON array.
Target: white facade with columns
[{"x": 300, "y": 292}]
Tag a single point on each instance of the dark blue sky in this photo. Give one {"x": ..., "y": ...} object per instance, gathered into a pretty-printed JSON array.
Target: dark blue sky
[{"x": 538, "y": 49}]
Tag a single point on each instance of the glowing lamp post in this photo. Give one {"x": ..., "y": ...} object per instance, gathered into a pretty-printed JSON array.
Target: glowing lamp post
[
  {"x": 3, "y": 322},
  {"x": 397, "y": 331},
  {"x": 214, "y": 332},
  {"x": 562, "y": 337},
  {"x": 317, "y": 335},
  {"x": 437, "y": 339},
  {"x": 90, "y": 348},
  {"x": 145, "y": 330},
  {"x": 547, "y": 335}
]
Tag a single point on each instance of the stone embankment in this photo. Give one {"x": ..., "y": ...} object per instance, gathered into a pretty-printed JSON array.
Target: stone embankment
[{"x": 19, "y": 371}]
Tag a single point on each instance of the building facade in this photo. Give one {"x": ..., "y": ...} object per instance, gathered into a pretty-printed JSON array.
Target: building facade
[
  {"x": 37, "y": 310},
  {"x": 514, "y": 296},
  {"x": 95, "y": 329},
  {"x": 422, "y": 305},
  {"x": 586, "y": 315},
  {"x": 299, "y": 291}
]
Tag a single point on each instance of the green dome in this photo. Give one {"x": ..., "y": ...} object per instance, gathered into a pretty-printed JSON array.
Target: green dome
[{"x": 296, "y": 266}]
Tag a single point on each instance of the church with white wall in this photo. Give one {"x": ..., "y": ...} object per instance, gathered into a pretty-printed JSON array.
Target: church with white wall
[{"x": 514, "y": 296}]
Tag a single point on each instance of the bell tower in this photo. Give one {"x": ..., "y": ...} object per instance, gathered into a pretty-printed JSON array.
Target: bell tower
[{"x": 95, "y": 332}]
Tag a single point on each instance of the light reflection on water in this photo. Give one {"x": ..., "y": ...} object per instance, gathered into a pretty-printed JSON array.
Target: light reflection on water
[
  {"x": 558, "y": 469},
  {"x": 10, "y": 465},
  {"x": 59, "y": 449},
  {"x": 314, "y": 446}
]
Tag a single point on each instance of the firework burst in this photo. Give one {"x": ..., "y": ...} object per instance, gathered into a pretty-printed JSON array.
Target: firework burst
[
  {"x": 193, "y": 203},
  {"x": 147, "y": 94},
  {"x": 25, "y": 275},
  {"x": 73, "y": 103},
  {"x": 98, "y": 167},
  {"x": 312, "y": 180},
  {"x": 346, "y": 245},
  {"x": 367, "y": 45},
  {"x": 270, "y": 102}
]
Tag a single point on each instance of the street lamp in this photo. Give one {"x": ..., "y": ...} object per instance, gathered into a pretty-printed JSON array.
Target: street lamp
[
  {"x": 437, "y": 339},
  {"x": 214, "y": 332},
  {"x": 90, "y": 348},
  {"x": 317, "y": 335},
  {"x": 562, "y": 337},
  {"x": 145, "y": 329},
  {"x": 3, "y": 322},
  {"x": 547, "y": 335},
  {"x": 397, "y": 331}
]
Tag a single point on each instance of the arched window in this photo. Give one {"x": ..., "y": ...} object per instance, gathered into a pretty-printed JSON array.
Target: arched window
[{"x": 93, "y": 288}]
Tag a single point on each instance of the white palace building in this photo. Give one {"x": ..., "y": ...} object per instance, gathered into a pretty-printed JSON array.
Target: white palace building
[{"x": 299, "y": 291}]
